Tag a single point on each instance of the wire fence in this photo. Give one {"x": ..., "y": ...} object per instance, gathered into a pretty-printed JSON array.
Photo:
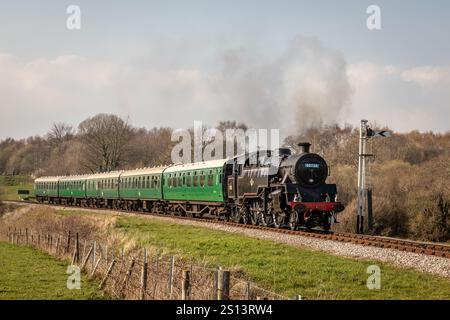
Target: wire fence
[{"x": 140, "y": 274}]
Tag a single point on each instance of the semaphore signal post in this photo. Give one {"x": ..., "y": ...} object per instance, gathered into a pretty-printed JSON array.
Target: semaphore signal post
[{"x": 365, "y": 195}]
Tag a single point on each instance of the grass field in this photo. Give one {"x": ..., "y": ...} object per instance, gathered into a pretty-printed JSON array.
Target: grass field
[
  {"x": 285, "y": 269},
  {"x": 30, "y": 274},
  {"x": 10, "y": 184}
]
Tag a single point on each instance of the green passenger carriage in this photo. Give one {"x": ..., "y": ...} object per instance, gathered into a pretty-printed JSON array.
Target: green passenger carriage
[
  {"x": 201, "y": 181},
  {"x": 46, "y": 188},
  {"x": 72, "y": 189},
  {"x": 102, "y": 187},
  {"x": 141, "y": 184}
]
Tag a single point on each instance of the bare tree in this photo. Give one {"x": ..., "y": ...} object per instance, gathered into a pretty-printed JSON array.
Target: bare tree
[
  {"x": 104, "y": 139},
  {"x": 227, "y": 124},
  {"x": 59, "y": 133}
]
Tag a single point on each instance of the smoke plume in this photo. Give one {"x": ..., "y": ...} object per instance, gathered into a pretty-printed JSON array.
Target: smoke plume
[{"x": 306, "y": 86}]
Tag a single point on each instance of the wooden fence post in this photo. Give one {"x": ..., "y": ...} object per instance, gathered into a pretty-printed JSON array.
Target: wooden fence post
[
  {"x": 68, "y": 242},
  {"x": 26, "y": 235},
  {"x": 144, "y": 276},
  {"x": 57, "y": 245},
  {"x": 96, "y": 266},
  {"x": 102, "y": 284},
  {"x": 86, "y": 258},
  {"x": 171, "y": 271},
  {"x": 126, "y": 278},
  {"x": 94, "y": 253},
  {"x": 84, "y": 250},
  {"x": 186, "y": 285},
  {"x": 156, "y": 275},
  {"x": 75, "y": 255},
  {"x": 223, "y": 285},
  {"x": 248, "y": 294},
  {"x": 77, "y": 249}
]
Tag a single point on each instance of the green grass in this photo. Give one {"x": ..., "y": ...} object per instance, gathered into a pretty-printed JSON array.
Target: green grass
[
  {"x": 10, "y": 184},
  {"x": 286, "y": 269},
  {"x": 26, "y": 273}
]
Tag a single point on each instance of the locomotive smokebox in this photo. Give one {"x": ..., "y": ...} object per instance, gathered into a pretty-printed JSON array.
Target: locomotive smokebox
[{"x": 304, "y": 146}]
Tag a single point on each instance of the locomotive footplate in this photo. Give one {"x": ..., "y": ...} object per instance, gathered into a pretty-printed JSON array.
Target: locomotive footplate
[{"x": 319, "y": 206}]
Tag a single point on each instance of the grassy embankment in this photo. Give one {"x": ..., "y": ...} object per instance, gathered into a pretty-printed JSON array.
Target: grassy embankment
[
  {"x": 27, "y": 273},
  {"x": 285, "y": 269},
  {"x": 10, "y": 184}
]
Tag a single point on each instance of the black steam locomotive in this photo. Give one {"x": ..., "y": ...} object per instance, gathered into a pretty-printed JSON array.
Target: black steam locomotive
[{"x": 281, "y": 190}]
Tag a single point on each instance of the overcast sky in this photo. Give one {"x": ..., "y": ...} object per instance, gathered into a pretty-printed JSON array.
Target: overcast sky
[{"x": 280, "y": 64}]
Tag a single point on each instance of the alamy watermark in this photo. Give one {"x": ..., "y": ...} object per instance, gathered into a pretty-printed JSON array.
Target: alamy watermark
[
  {"x": 373, "y": 21},
  {"x": 74, "y": 278},
  {"x": 202, "y": 144},
  {"x": 374, "y": 280},
  {"x": 73, "y": 22}
]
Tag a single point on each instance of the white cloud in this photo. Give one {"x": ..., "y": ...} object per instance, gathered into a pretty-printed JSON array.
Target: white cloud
[
  {"x": 389, "y": 96},
  {"x": 427, "y": 76}
]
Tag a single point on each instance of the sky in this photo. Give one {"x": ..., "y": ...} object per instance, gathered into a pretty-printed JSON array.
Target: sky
[{"x": 271, "y": 64}]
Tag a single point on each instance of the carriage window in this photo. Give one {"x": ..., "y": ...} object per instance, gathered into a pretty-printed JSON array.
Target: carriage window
[
  {"x": 180, "y": 181},
  {"x": 210, "y": 180},
  {"x": 195, "y": 181},
  {"x": 188, "y": 179},
  {"x": 174, "y": 181},
  {"x": 202, "y": 180}
]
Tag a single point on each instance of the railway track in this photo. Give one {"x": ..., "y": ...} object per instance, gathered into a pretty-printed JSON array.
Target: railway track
[{"x": 427, "y": 248}]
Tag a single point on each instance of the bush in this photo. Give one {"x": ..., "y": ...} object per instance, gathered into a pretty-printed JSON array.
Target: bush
[{"x": 431, "y": 219}]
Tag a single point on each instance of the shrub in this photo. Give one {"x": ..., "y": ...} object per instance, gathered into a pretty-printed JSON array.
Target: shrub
[{"x": 431, "y": 219}]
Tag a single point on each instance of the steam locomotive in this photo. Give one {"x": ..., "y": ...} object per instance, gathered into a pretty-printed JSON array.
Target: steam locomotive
[
  {"x": 290, "y": 191},
  {"x": 269, "y": 188}
]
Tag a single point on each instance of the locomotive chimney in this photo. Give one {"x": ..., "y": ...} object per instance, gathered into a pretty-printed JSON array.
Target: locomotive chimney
[{"x": 304, "y": 146}]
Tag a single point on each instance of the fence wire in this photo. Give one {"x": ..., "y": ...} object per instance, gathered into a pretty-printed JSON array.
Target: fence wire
[{"x": 137, "y": 275}]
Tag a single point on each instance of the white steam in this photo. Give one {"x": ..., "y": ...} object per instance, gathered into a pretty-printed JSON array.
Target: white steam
[{"x": 307, "y": 86}]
